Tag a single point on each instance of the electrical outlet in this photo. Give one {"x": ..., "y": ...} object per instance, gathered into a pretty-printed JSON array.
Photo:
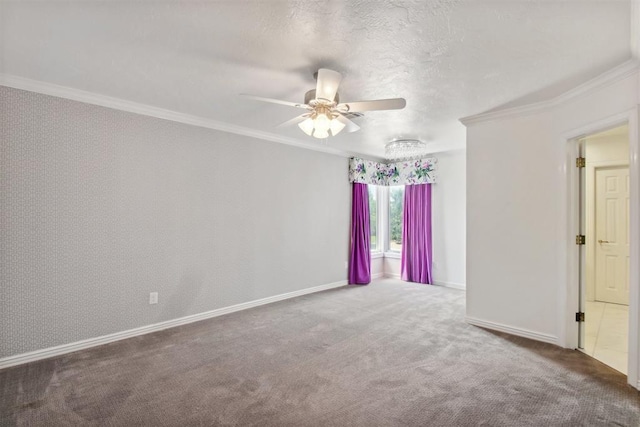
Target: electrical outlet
[
  {"x": 346, "y": 265},
  {"x": 153, "y": 298}
]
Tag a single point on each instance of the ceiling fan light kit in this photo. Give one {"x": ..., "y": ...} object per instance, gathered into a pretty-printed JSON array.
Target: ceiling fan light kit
[
  {"x": 321, "y": 123},
  {"x": 326, "y": 116}
]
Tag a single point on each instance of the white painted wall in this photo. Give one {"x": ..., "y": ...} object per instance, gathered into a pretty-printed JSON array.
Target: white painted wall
[
  {"x": 448, "y": 222},
  {"x": 607, "y": 147},
  {"x": 377, "y": 268},
  {"x": 101, "y": 207},
  {"x": 449, "y": 219},
  {"x": 392, "y": 267},
  {"x": 518, "y": 209},
  {"x": 511, "y": 224},
  {"x": 598, "y": 150}
]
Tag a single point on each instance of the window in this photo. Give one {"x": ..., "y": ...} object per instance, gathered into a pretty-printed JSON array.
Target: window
[
  {"x": 373, "y": 217},
  {"x": 396, "y": 198}
]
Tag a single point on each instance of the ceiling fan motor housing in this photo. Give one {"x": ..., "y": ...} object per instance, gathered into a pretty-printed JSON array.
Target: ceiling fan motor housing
[{"x": 310, "y": 97}]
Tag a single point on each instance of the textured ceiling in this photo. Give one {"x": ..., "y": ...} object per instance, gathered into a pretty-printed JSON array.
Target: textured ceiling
[{"x": 449, "y": 59}]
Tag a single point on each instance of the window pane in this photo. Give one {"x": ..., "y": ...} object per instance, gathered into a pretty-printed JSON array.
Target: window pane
[
  {"x": 396, "y": 199},
  {"x": 373, "y": 216}
]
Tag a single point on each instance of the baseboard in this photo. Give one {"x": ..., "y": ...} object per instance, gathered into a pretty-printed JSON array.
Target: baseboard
[
  {"x": 46, "y": 353},
  {"x": 525, "y": 333},
  {"x": 377, "y": 276},
  {"x": 451, "y": 285}
]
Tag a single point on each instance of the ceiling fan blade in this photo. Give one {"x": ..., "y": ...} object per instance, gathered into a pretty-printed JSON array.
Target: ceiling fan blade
[
  {"x": 378, "y": 104},
  {"x": 349, "y": 125},
  {"x": 275, "y": 101},
  {"x": 293, "y": 121},
  {"x": 328, "y": 82}
]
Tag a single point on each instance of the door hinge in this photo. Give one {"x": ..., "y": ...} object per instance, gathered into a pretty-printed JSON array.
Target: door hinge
[
  {"x": 580, "y": 239},
  {"x": 580, "y": 316},
  {"x": 581, "y": 162}
]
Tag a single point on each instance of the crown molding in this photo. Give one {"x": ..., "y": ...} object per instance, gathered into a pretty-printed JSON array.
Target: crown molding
[
  {"x": 509, "y": 112},
  {"x": 86, "y": 97},
  {"x": 607, "y": 78}
]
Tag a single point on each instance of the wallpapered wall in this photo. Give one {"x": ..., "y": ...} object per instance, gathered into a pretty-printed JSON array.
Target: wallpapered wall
[{"x": 101, "y": 207}]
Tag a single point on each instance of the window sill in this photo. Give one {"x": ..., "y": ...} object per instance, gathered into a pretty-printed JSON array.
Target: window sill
[{"x": 395, "y": 255}]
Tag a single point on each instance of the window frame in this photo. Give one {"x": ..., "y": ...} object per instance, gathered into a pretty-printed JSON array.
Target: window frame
[
  {"x": 392, "y": 253},
  {"x": 388, "y": 252},
  {"x": 382, "y": 220},
  {"x": 378, "y": 252},
  {"x": 383, "y": 250}
]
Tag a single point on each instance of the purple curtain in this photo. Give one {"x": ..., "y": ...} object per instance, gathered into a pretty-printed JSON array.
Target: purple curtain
[
  {"x": 360, "y": 259},
  {"x": 416, "y": 234}
]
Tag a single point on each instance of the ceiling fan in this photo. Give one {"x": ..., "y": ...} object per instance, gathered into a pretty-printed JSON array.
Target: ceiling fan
[{"x": 325, "y": 115}]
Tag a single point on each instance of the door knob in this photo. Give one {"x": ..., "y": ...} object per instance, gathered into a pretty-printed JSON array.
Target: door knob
[{"x": 603, "y": 241}]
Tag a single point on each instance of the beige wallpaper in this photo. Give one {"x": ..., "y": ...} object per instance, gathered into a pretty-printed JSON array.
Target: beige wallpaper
[{"x": 100, "y": 207}]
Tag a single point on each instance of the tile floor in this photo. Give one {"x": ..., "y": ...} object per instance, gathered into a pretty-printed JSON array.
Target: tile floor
[{"x": 606, "y": 334}]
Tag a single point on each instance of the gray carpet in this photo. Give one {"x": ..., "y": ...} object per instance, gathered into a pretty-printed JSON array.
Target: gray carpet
[{"x": 387, "y": 354}]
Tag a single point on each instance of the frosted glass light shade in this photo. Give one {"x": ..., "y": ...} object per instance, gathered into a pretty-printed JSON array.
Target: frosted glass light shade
[
  {"x": 321, "y": 133},
  {"x": 336, "y": 127},
  {"x": 322, "y": 123},
  {"x": 307, "y": 126}
]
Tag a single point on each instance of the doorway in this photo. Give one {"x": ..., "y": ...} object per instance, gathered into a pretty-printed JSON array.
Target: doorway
[{"x": 605, "y": 212}]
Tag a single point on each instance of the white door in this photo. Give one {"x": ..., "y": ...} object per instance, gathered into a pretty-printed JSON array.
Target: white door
[{"x": 612, "y": 234}]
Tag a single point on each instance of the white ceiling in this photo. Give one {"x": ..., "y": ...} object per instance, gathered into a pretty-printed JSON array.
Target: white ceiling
[{"x": 449, "y": 59}]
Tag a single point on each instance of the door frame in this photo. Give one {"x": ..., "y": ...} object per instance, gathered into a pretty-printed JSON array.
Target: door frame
[{"x": 569, "y": 202}]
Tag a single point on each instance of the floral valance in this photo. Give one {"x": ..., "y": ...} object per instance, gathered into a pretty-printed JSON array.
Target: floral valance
[{"x": 409, "y": 172}]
